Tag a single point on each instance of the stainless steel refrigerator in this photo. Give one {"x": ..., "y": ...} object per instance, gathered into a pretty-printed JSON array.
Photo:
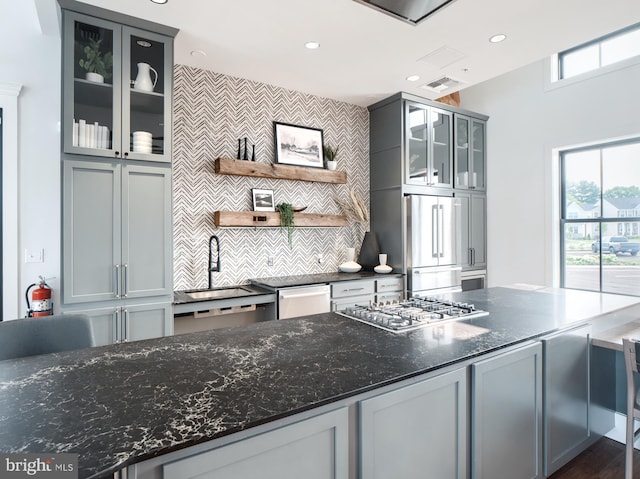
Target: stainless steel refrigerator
[{"x": 433, "y": 250}]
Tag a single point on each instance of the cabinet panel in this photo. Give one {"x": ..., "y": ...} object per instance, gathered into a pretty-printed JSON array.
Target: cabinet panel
[
  {"x": 91, "y": 231},
  {"x": 146, "y": 227},
  {"x": 147, "y": 321},
  {"x": 473, "y": 232},
  {"x": 315, "y": 448},
  {"x": 352, "y": 288},
  {"x": 343, "y": 303},
  {"x": 417, "y": 430},
  {"x": 566, "y": 396},
  {"x": 507, "y": 415},
  {"x": 120, "y": 322}
]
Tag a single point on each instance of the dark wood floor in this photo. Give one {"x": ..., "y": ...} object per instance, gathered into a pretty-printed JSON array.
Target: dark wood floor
[{"x": 603, "y": 460}]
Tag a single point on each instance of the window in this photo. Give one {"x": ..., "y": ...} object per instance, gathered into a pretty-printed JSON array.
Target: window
[
  {"x": 600, "y": 220},
  {"x": 609, "y": 50}
]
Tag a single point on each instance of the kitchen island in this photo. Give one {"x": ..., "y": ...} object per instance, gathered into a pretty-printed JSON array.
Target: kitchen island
[{"x": 124, "y": 404}]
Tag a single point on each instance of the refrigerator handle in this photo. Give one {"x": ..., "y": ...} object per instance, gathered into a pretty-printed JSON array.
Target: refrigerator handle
[
  {"x": 441, "y": 231},
  {"x": 435, "y": 237}
]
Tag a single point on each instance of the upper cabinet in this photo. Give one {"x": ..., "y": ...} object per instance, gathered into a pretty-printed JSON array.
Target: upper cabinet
[
  {"x": 117, "y": 84},
  {"x": 470, "y": 153},
  {"x": 428, "y": 136}
]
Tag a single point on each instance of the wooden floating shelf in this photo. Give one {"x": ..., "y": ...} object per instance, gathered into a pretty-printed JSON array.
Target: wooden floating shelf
[
  {"x": 265, "y": 219},
  {"x": 227, "y": 166}
]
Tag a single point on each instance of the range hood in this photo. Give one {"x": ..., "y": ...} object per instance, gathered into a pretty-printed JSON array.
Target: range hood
[{"x": 411, "y": 11}]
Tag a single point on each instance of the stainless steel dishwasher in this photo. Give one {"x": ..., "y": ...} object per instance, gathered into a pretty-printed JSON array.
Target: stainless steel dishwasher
[{"x": 303, "y": 301}]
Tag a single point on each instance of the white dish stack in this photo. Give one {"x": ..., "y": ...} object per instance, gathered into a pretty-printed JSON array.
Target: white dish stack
[{"x": 142, "y": 142}]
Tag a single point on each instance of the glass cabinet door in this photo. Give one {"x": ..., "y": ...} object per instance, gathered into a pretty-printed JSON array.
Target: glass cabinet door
[
  {"x": 91, "y": 86},
  {"x": 442, "y": 138},
  {"x": 478, "y": 153},
  {"x": 417, "y": 147},
  {"x": 146, "y": 100},
  {"x": 470, "y": 153},
  {"x": 462, "y": 151}
]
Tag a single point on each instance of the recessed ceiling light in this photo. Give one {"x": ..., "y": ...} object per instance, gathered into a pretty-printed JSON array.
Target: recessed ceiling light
[
  {"x": 500, "y": 37},
  {"x": 312, "y": 45},
  {"x": 198, "y": 53},
  {"x": 160, "y": 2},
  {"x": 412, "y": 78},
  {"x": 144, "y": 43}
]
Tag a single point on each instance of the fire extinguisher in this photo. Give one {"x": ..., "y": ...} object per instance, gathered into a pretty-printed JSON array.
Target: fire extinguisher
[{"x": 41, "y": 300}]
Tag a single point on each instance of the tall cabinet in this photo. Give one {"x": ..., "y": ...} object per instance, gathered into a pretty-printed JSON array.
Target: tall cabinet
[
  {"x": 422, "y": 147},
  {"x": 116, "y": 173}
]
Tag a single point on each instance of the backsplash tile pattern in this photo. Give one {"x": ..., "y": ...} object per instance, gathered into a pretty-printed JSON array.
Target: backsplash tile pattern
[{"x": 211, "y": 111}]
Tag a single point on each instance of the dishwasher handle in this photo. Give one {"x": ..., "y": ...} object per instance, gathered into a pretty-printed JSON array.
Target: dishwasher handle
[{"x": 304, "y": 295}]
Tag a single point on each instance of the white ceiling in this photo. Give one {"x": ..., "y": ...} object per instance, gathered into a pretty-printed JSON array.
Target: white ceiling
[{"x": 365, "y": 55}]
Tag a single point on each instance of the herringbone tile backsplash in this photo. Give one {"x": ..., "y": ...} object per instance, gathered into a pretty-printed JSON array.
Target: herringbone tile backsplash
[{"x": 211, "y": 111}]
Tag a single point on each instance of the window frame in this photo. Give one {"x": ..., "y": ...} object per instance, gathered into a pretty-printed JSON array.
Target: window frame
[{"x": 600, "y": 219}]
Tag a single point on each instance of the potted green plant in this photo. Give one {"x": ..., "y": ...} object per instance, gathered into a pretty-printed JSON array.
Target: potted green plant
[
  {"x": 286, "y": 219},
  {"x": 330, "y": 154},
  {"x": 95, "y": 63}
]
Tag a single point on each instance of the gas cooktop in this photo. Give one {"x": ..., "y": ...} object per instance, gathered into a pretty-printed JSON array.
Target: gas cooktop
[{"x": 411, "y": 314}]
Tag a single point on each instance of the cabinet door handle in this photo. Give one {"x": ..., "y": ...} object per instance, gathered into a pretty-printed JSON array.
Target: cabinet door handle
[
  {"x": 117, "y": 153},
  {"x": 125, "y": 279},
  {"x": 352, "y": 289},
  {"x": 116, "y": 325},
  {"x": 116, "y": 278},
  {"x": 126, "y": 154},
  {"x": 473, "y": 256},
  {"x": 125, "y": 326}
]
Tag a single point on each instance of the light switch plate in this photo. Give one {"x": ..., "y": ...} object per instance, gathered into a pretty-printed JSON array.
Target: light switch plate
[{"x": 34, "y": 256}]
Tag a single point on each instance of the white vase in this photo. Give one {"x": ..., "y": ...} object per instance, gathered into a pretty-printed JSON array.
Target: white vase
[
  {"x": 382, "y": 267},
  {"x": 350, "y": 266},
  {"x": 332, "y": 165},
  {"x": 94, "y": 77}
]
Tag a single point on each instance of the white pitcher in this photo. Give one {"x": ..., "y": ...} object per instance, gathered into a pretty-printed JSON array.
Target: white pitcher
[{"x": 143, "y": 80}]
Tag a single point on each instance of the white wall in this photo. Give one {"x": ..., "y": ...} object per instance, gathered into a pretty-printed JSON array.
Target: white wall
[
  {"x": 30, "y": 58},
  {"x": 526, "y": 124}
]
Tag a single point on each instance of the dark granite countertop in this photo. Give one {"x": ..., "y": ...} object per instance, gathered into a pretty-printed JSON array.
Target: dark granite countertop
[
  {"x": 276, "y": 282},
  {"x": 121, "y": 404}
]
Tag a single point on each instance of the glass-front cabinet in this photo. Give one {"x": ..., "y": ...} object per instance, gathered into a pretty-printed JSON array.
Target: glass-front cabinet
[
  {"x": 428, "y": 137},
  {"x": 470, "y": 153},
  {"x": 117, "y": 83}
]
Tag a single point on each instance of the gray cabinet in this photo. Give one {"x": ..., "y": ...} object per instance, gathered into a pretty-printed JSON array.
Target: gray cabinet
[
  {"x": 473, "y": 230},
  {"x": 116, "y": 231},
  {"x": 349, "y": 293},
  {"x": 566, "y": 372},
  {"x": 315, "y": 448},
  {"x": 470, "y": 152},
  {"x": 112, "y": 112},
  {"x": 122, "y": 322},
  {"x": 345, "y": 294},
  {"x": 428, "y": 138},
  {"x": 506, "y": 415},
  {"x": 389, "y": 289},
  {"x": 416, "y": 431}
]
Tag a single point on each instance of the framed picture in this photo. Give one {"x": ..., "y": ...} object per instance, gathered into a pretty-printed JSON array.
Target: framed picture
[
  {"x": 298, "y": 145},
  {"x": 263, "y": 200}
]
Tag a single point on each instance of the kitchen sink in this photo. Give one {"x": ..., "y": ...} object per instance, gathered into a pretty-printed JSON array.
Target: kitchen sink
[{"x": 218, "y": 293}]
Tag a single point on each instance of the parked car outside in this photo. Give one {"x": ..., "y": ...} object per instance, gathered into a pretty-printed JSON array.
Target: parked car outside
[{"x": 616, "y": 245}]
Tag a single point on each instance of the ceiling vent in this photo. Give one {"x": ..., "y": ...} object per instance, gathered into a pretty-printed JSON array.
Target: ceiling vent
[
  {"x": 410, "y": 11},
  {"x": 442, "y": 84}
]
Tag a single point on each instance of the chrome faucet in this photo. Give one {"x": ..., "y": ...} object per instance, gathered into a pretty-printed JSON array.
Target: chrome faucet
[{"x": 214, "y": 258}]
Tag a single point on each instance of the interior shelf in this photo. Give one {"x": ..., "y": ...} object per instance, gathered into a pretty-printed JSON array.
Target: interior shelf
[
  {"x": 228, "y": 166},
  {"x": 267, "y": 218}
]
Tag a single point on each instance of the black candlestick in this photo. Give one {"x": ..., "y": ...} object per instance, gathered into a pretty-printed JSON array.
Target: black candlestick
[
  {"x": 246, "y": 153},
  {"x": 239, "y": 147},
  {"x": 253, "y": 154}
]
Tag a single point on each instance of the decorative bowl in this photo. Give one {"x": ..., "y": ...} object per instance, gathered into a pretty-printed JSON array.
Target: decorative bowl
[
  {"x": 350, "y": 267},
  {"x": 383, "y": 269}
]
